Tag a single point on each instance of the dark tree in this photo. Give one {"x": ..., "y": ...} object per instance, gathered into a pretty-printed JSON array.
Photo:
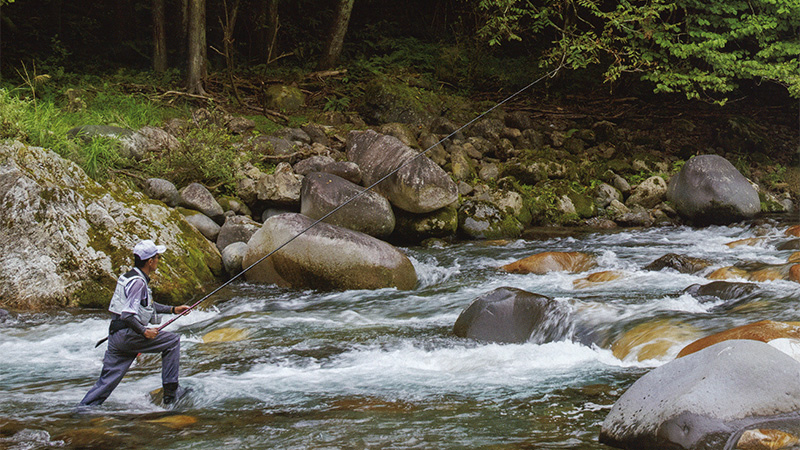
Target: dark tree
[{"x": 333, "y": 48}]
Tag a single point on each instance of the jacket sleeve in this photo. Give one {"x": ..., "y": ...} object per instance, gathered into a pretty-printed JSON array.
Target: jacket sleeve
[
  {"x": 162, "y": 309},
  {"x": 133, "y": 322}
]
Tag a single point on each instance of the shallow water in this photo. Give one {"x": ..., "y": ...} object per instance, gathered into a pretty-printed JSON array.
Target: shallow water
[{"x": 382, "y": 369}]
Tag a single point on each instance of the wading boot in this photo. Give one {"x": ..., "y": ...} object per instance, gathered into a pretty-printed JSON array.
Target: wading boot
[{"x": 170, "y": 393}]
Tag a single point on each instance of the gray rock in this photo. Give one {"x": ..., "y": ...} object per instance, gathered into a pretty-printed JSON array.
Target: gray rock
[
  {"x": 369, "y": 213},
  {"x": 511, "y": 315},
  {"x": 707, "y": 399},
  {"x": 317, "y": 134},
  {"x": 281, "y": 187},
  {"x": 478, "y": 219},
  {"x": 681, "y": 263},
  {"x": 622, "y": 185},
  {"x": 325, "y": 257},
  {"x": 233, "y": 205},
  {"x": 415, "y": 228},
  {"x": 236, "y": 229},
  {"x": 195, "y": 196},
  {"x": 296, "y": 135},
  {"x": 240, "y": 125},
  {"x": 312, "y": 164},
  {"x": 66, "y": 238},
  {"x": 269, "y": 212},
  {"x": 345, "y": 169},
  {"x": 648, "y": 193},
  {"x": 709, "y": 190},
  {"x": 148, "y": 140},
  {"x": 730, "y": 292},
  {"x": 203, "y": 223},
  {"x": 163, "y": 190},
  {"x": 232, "y": 257},
  {"x": 419, "y": 187},
  {"x": 274, "y": 146},
  {"x": 605, "y": 194}
]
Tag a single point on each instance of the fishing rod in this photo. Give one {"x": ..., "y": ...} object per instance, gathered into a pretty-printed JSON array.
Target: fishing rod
[{"x": 358, "y": 195}]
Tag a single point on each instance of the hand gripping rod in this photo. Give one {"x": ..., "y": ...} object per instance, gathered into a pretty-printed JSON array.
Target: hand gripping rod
[{"x": 367, "y": 189}]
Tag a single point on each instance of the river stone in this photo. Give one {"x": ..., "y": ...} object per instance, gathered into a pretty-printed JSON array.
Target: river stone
[
  {"x": 764, "y": 331},
  {"x": 478, "y": 219},
  {"x": 202, "y": 222},
  {"x": 370, "y": 213},
  {"x": 793, "y": 244},
  {"x": 236, "y": 229},
  {"x": 281, "y": 188},
  {"x": 419, "y": 187},
  {"x": 648, "y": 193},
  {"x": 235, "y": 205},
  {"x": 605, "y": 194},
  {"x": 653, "y": 340},
  {"x": 345, "y": 169},
  {"x": 708, "y": 399},
  {"x": 416, "y": 228},
  {"x": 709, "y": 190},
  {"x": 226, "y": 335},
  {"x": 232, "y": 257},
  {"x": 325, "y": 257},
  {"x": 163, "y": 190},
  {"x": 597, "y": 277},
  {"x": 542, "y": 263},
  {"x": 681, "y": 263},
  {"x": 511, "y": 315},
  {"x": 196, "y": 196},
  {"x": 65, "y": 238},
  {"x": 728, "y": 291},
  {"x": 312, "y": 164}
]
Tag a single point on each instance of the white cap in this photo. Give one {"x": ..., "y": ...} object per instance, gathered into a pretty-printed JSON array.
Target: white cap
[{"x": 147, "y": 249}]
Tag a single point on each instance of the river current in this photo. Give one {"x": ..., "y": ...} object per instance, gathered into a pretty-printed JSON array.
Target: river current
[{"x": 382, "y": 369}]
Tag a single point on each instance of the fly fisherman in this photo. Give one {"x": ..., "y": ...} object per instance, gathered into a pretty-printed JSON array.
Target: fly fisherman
[{"x": 133, "y": 309}]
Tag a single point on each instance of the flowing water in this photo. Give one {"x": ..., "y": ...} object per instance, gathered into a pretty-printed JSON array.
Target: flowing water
[{"x": 382, "y": 369}]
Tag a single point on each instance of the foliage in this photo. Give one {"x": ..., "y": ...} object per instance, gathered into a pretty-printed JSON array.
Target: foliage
[{"x": 702, "y": 48}]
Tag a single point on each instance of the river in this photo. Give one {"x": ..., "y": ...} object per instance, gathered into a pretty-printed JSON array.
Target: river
[{"x": 382, "y": 369}]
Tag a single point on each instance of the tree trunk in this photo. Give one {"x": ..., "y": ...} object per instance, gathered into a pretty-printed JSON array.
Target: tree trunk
[
  {"x": 197, "y": 47},
  {"x": 159, "y": 37},
  {"x": 334, "y": 46},
  {"x": 272, "y": 28}
]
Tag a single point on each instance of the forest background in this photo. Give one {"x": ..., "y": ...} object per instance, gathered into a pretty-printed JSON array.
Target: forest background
[{"x": 134, "y": 63}]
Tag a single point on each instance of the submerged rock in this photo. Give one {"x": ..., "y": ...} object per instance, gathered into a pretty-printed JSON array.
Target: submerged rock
[
  {"x": 681, "y": 263},
  {"x": 728, "y": 291},
  {"x": 545, "y": 262},
  {"x": 764, "y": 331},
  {"x": 708, "y": 399},
  {"x": 325, "y": 257},
  {"x": 653, "y": 340},
  {"x": 511, "y": 315}
]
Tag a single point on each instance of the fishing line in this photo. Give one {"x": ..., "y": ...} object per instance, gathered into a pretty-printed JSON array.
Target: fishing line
[{"x": 550, "y": 74}]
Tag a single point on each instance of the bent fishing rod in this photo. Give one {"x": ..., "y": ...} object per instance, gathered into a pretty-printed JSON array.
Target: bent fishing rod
[{"x": 358, "y": 195}]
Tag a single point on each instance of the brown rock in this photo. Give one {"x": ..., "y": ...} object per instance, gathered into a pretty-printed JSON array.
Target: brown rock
[
  {"x": 761, "y": 439},
  {"x": 793, "y": 231},
  {"x": 748, "y": 241},
  {"x": 545, "y": 262},
  {"x": 764, "y": 331},
  {"x": 597, "y": 277},
  {"x": 652, "y": 339},
  {"x": 726, "y": 273}
]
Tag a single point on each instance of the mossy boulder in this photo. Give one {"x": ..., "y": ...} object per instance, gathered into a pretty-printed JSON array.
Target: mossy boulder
[
  {"x": 479, "y": 219},
  {"x": 66, "y": 238}
]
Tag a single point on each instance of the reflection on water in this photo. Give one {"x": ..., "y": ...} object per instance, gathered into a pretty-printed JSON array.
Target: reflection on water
[{"x": 382, "y": 369}]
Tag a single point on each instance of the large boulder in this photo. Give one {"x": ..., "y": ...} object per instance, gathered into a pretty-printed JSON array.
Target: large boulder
[
  {"x": 764, "y": 331},
  {"x": 708, "y": 399},
  {"x": 709, "y": 190},
  {"x": 419, "y": 187},
  {"x": 369, "y": 213},
  {"x": 195, "y": 196},
  {"x": 545, "y": 262},
  {"x": 324, "y": 257},
  {"x": 511, "y": 315},
  {"x": 236, "y": 229},
  {"x": 65, "y": 238}
]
